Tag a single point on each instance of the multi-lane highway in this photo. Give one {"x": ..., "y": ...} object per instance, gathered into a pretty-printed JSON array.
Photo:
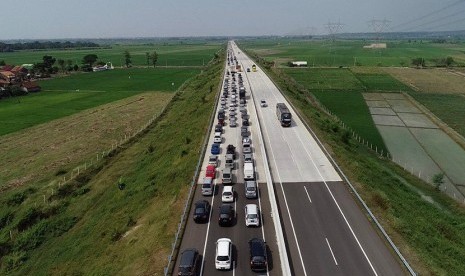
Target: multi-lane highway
[{"x": 326, "y": 232}]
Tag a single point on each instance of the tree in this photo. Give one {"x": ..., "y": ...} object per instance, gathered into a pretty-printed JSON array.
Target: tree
[
  {"x": 48, "y": 61},
  {"x": 69, "y": 65},
  {"x": 89, "y": 59},
  {"x": 147, "y": 57},
  {"x": 418, "y": 62},
  {"x": 449, "y": 61},
  {"x": 127, "y": 58},
  {"x": 61, "y": 63},
  {"x": 154, "y": 58},
  {"x": 438, "y": 180},
  {"x": 2, "y": 63}
]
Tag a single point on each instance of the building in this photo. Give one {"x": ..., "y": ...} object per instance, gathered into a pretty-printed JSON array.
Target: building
[
  {"x": 299, "y": 64},
  {"x": 375, "y": 46},
  {"x": 30, "y": 87}
]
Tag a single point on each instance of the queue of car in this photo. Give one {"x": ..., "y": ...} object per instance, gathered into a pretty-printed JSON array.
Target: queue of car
[{"x": 257, "y": 249}]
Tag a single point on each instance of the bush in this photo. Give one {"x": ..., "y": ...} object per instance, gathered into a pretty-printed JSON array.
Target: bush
[{"x": 14, "y": 260}]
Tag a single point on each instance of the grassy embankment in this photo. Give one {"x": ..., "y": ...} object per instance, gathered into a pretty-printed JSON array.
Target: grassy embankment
[
  {"x": 426, "y": 225},
  {"x": 90, "y": 221}
]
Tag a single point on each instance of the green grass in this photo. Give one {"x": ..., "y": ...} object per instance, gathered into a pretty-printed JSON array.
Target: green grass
[
  {"x": 325, "y": 79},
  {"x": 92, "y": 214},
  {"x": 450, "y": 108},
  {"x": 351, "y": 108},
  {"x": 425, "y": 224},
  {"x": 94, "y": 89},
  {"x": 169, "y": 54},
  {"x": 381, "y": 83},
  {"x": 348, "y": 53}
]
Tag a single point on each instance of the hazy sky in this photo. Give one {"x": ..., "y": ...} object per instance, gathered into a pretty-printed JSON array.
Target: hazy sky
[{"x": 34, "y": 19}]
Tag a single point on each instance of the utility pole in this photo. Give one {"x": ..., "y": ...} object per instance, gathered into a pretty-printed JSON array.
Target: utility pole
[
  {"x": 378, "y": 26},
  {"x": 334, "y": 28}
]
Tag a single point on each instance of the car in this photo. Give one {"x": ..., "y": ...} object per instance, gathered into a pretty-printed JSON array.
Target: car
[
  {"x": 250, "y": 189},
  {"x": 232, "y": 123},
  {"x": 258, "y": 255},
  {"x": 241, "y": 105},
  {"x": 248, "y": 70},
  {"x": 189, "y": 262},
  {"x": 226, "y": 216},
  {"x": 248, "y": 158},
  {"x": 213, "y": 160},
  {"x": 232, "y": 105},
  {"x": 219, "y": 128},
  {"x": 232, "y": 114},
  {"x": 230, "y": 149},
  {"x": 215, "y": 149},
  {"x": 201, "y": 211},
  {"x": 217, "y": 138},
  {"x": 245, "y": 122},
  {"x": 223, "y": 102},
  {"x": 228, "y": 194},
  {"x": 246, "y": 141},
  {"x": 252, "y": 216},
  {"x": 232, "y": 109},
  {"x": 210, "y": 171},
  {"x": 223, "y": 255},
  {"x": 263, "y": 103},
  {"x": 207, "y": 186},
  {"x": 244, "y": 134},
  {"x": 246, "y": 149}
]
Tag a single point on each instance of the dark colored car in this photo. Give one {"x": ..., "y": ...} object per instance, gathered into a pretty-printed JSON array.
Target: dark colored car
[
  {"x": 188, "y": 264},
  {"x": 231, "y": 150},
  {"x": 245, "y": 122},
  {"x": 258, "y": 258},
  {"x": 219, "y": 128},
  {"x": 226, "y": 215},
  {"x": 201, "y": 211},
  {"x": 215, "y": 149}
]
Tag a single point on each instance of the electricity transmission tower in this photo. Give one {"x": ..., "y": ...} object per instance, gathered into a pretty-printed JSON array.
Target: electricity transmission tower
[
  {"x": 334, "y": 28},
  {"x": 378, "y": 26}
]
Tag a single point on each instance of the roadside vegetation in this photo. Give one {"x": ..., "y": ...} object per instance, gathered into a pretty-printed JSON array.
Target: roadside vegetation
[
  {"x": 120, "y": 217},
  {"x": 425, "y": 224}
]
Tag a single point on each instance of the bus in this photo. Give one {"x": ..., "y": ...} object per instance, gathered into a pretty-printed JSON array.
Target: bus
[
  {"x": 284, "y": 115},
  {"x": 254, "y": 68}
]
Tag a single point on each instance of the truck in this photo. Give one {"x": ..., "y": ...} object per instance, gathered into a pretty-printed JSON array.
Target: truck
[
  {"x": 249, "y": 171},
  {"x": 283, "y": 114}
]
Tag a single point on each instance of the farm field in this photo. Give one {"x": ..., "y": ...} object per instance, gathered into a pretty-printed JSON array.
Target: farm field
[
  {"x": 323, "y": 53},
  {"x": 68, "y": 95},
  {"x": 170, "y": 54},
  {"x": 430, "y": 80},
  {"x": 91, "y": 220}
]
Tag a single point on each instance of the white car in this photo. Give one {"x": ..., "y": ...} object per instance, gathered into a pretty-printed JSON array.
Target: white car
[
  {"x": 228, "y": 194},
  {"x": 217, "y": 139},
  {"x": 213, "y": 160},
  {"x": 223, "y": 256},
  {"x": 263, "y": 103},
  {"x": 252, "y": 217}
]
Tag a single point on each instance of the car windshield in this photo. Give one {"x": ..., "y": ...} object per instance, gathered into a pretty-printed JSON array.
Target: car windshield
[
  {"x": 222, "y": 258},
  {"x": 227, "y": 193},
  {"x": 251, "y": 188},
  {"x": 199, "y": 210},
  {"x": 252, "y": 216}
]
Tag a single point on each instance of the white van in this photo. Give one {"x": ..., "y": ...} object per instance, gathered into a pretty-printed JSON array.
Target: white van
[
  {"x": 223, "y": 256},
  {"x": 249, "y": 171},
  {"x": 252, "y": 217}
]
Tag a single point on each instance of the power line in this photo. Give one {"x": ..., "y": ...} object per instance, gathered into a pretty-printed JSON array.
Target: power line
[
  {"x": 334, "y": 28},
  {"x": 378, "y": 26},
  {"x": 428, "y": 14},
  {"x": 448, "y": 16},
  {"x": 448, "y": 23}
]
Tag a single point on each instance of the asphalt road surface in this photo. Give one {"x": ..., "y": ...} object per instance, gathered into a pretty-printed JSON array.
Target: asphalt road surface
[
  {"x": 203, "y": 237},
  {"x": 325, "y": 230}
]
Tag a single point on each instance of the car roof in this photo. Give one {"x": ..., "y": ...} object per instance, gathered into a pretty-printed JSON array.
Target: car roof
[
  {"x": 227, "y": 189},
  {"x": 252, "y": 208},
  {"x": 257, "y": 247},
  {"x": 187, "y": 257},
  {"x": 225, "y": 207},
  {"x": 223, "y": 246}
]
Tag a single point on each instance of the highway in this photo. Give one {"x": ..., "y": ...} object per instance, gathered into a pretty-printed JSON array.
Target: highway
[
  {"x": 325, "y": 231},
  {"x": 204, "y": 236}
]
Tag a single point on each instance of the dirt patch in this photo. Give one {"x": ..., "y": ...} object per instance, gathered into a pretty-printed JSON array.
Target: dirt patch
[
  {"x": 40, "y": 153},
  {"x": 430, "y": 80}
]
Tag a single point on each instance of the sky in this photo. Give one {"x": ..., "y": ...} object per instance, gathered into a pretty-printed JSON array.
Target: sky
[{"x": 58, "y": 19}]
